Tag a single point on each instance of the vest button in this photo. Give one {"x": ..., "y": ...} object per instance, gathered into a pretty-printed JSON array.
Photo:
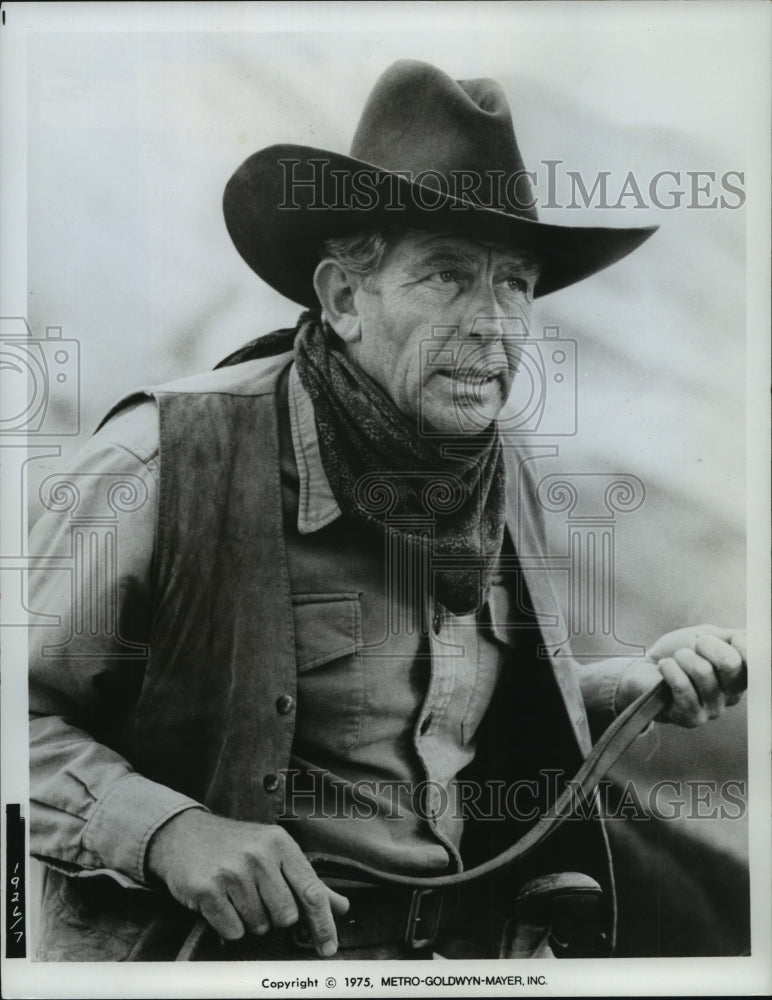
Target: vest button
[
  {"x": 271, "y": 782},
  {"x": 284, "y": 704},
  {"x": 437, "y": 621}
]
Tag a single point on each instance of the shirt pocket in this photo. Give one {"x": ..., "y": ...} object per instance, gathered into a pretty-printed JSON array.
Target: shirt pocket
[{"x": 331, "y": 690}]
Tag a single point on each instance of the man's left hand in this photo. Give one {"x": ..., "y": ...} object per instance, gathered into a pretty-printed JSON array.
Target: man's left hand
[{"x": 705, "y": 668}]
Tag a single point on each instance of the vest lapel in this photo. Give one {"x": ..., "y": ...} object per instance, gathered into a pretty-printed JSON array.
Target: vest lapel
[{"x": 527, "y": 534}]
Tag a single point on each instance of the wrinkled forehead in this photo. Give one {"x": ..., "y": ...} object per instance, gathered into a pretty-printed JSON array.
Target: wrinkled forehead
[{"x": 417, "y": 244}]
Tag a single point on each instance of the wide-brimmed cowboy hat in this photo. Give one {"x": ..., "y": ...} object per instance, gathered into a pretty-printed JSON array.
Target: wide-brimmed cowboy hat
[{"x": 429, "y": 153}]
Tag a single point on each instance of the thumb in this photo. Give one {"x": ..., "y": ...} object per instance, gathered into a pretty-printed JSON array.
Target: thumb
[{"x": 681, "y": 638}]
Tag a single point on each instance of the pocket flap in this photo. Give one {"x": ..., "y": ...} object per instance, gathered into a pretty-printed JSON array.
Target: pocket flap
[{"x": 327, "y": 627}]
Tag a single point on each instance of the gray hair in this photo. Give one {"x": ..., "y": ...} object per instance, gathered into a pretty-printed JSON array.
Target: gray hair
[{"x": 361, "y": 254}]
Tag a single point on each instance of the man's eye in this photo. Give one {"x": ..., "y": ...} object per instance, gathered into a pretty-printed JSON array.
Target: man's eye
[
  {"x": 516, "y": 284},
  {"x": 447, "y": 276}
]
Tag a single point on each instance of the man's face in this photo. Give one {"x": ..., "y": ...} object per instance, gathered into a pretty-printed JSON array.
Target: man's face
[{"x": 440, "y": 325}]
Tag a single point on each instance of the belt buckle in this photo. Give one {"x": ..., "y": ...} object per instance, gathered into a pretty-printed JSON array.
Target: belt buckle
[{"x": 418, "y": 915}]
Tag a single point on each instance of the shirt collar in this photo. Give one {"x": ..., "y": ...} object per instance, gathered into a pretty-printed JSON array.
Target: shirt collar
[{"x": 317, "y": 506}]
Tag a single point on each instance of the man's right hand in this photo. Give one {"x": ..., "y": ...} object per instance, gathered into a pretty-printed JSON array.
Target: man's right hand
[{"x": 243, "y": 876}]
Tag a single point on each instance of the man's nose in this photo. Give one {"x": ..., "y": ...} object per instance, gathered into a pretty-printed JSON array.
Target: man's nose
[{"x": 488, "y": 319}]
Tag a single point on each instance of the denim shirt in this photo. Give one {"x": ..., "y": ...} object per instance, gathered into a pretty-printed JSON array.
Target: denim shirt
[{"x": 391, "y": 687}]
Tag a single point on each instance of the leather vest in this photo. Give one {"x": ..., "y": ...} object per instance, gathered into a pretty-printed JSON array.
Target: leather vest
[{"x": 209, "y": 719}]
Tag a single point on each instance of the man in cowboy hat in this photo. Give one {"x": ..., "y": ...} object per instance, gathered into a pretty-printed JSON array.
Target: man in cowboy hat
[{"x": 340, "y": 576}]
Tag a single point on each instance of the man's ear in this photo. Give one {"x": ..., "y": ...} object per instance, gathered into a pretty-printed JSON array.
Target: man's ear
[{"x": 336, "y": 294}]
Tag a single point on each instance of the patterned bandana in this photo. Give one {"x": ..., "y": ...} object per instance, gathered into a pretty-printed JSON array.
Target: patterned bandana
[{"x": 442, "y": 499}]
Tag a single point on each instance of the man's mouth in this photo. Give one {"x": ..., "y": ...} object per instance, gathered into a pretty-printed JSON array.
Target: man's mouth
[
  {"x": 473, "y": 388},
  {"x": 472, "y": 378},
  {"x": 473, "y": 384}
]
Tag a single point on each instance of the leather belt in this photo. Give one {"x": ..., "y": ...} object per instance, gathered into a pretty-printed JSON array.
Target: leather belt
[
  {"x": 559, "y": 911},
  {"x": 379, "y": 915}
]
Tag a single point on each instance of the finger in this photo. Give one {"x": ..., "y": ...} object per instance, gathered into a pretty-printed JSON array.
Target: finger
[
  {"x": 671, "y": 641},
  {"x": 277, "y": 897},
  {"x": 727, "y": 662},
  {"x": 716, "y": 630},
  {"x": 247, "y": 903},
  {"x": 219, "y": 913},
  {"x": 315, "y": 900},
  {"x": 740, "y": 642},
  {"x": 685, "y": 709},
  {"x": 719, "y": 631},
  {"x": 338, "y": 903},
  {"x": 704, "y": 680}
]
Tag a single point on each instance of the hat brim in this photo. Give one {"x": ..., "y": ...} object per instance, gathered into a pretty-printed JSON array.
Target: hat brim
[{"x": 280, "y": 233}]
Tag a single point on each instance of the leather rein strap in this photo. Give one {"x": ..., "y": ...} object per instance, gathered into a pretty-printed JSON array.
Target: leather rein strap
[{"x": 606, "y": 752}]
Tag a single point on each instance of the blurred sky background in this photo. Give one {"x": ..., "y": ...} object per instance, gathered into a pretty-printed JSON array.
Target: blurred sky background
[{"x": 133, "y": 135}]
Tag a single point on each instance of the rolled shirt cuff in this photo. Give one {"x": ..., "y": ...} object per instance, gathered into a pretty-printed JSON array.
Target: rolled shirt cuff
[
  {"x": 119, "y": 831},
  {"x": 599, "y": 682}
]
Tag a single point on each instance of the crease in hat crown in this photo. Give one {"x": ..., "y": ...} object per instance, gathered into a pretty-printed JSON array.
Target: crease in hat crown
[
  {"x": 420, "y": 134},
  {"x": 417, "y": 119}
]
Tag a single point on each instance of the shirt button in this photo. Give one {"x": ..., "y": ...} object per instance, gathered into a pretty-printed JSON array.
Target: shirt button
[
  {"x": 284, "y": 704},
  {"x": 271, "y": 782},
  {"x": 437, "y": 621}
]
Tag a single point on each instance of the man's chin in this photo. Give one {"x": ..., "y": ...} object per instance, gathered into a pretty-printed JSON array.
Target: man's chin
[
  {"x": 458, "y": 409},
  {"x": 458, "y": 420}
]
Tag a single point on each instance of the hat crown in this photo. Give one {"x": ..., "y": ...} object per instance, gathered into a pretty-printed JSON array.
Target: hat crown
[
  {"x": 419, "y": 120},
  {"x": 284, "y": 201}
]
